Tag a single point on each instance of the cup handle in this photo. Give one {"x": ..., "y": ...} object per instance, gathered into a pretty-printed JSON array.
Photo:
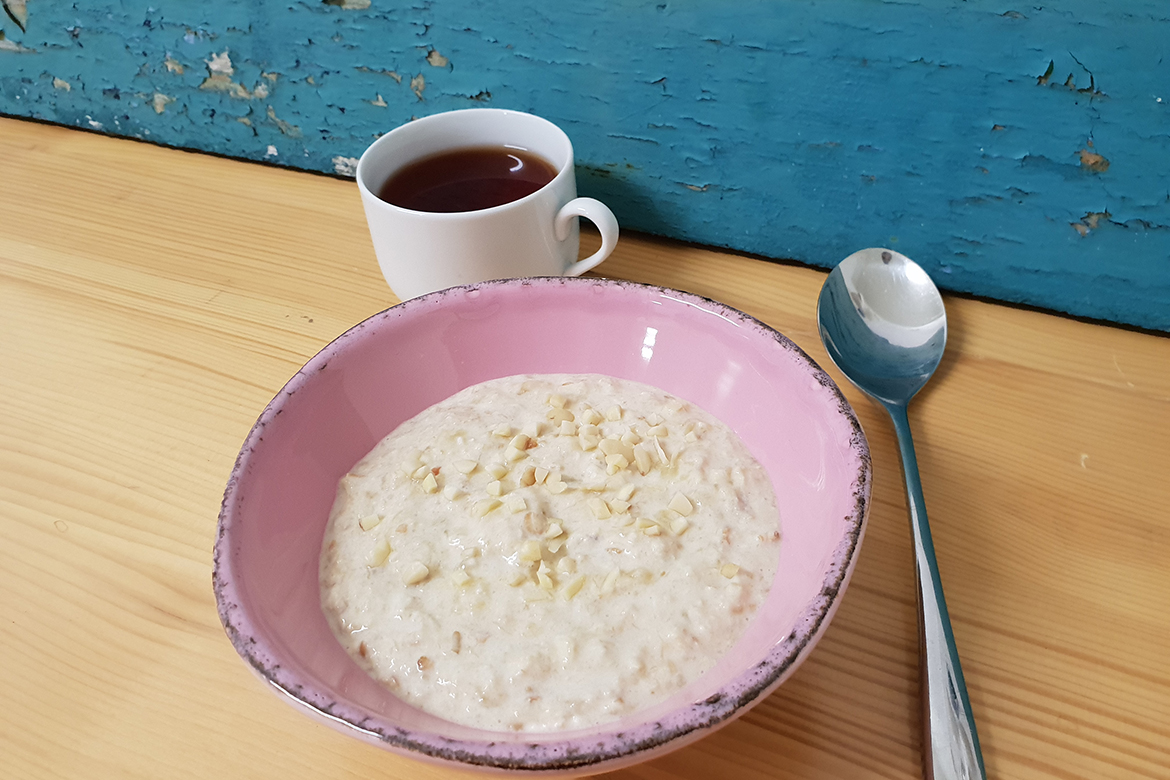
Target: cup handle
[{"x": 599, "y": 214}]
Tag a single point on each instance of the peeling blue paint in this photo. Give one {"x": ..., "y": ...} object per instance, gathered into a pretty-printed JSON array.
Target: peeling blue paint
[{"x": 1018, "y": 152}]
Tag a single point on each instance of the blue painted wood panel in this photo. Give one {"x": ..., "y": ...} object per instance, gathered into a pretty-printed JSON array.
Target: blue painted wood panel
[{"x": 1018, "y": 151}]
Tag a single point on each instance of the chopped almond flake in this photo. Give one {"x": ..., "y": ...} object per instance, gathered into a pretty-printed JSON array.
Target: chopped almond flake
[
  {"x": 379, "y": 554},
  {"x": 681, "y": 504}
]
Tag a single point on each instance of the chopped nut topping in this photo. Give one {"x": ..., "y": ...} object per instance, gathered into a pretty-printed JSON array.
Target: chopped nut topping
[
  {"x": 542, "y": 577},
  {"x": 657, "y": 432},
  {"x": 430, "y": 484},
  {"x": 417, "y": 572},
  {"x": 613, "y": 413},
  {"x": 616, "y": 462},
  {"x": 539, "y": 475},
  {"x": 484, "y": 506},
  {"x": 729, "y": 570},
  {"x": 619, "y": 506},
  {"x": 503, "y": 430},
  {"x": 519, "y": 442},
  {"x": 679, "y": 525},
  {"x": 556, "y": 401},
  {"x": 460, "y": 577},
  {"x": 465, "y": 466},
  {"x": 420, "y": 472},
  {"x": 532, "y": 431},
  {"x": 555, "y": 545},
  {"x": 451, "y": 493},
  {"x": 518, "y": 579},
  {"x": 574, "y": 587},
  {"x": 599, "y": 508},
  {"x": 610, "y": 444},
  {"x": 642, "y": 523},
  {"x": 653, "y": 419},
  {"x": 610, "y": 581},
  {"x": 456, "y": 642},
  {"x": 512, "y": 454},
  {"x": 631, "y": 438},
  {"x": 369, "y": 521},
  {"x": 495, "y": 488},
  {"x": 653, "y": 530},
  {"x": 568, "y": 428},
  {"x": 515, "y": 504},
  {"x": 497, "y": 470},
  {"x": 424, "y": 664},
  {"x": 560, "y": 415},
  {"x": 626, "y": 493},
  {"x": 681, "y": 504},
  {"x": 691, "y": 437},
  {"x": 555, "y": 486},
  {"x": 566, "y": 565},
  {"x": 528, "y": 478},
  {"x": 553, "y": 531},
  {"x": 379, "y": 554},
  {"x": 530, "y": 551},
  {"x": 643, "y": 459}
]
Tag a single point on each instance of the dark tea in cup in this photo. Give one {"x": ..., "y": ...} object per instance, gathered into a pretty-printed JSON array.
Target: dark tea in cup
[
  {"x": 462, "y": 197},
  {"x": 468, "y": 179}
]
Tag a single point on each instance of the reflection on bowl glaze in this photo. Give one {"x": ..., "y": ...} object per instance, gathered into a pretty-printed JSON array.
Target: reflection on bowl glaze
[{"x": 784, "y": 407}]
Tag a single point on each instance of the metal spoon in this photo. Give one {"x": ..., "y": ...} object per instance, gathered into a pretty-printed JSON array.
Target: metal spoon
[{"x": 883, "y": 322}]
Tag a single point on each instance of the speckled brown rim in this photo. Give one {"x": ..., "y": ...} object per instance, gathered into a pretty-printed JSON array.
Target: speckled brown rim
[{"x": 596, "y": 752}]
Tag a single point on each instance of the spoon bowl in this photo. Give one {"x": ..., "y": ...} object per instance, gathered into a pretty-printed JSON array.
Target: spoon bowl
[
  {"x": 883, "y": 322},
  {"x": 884, "y": 325}
]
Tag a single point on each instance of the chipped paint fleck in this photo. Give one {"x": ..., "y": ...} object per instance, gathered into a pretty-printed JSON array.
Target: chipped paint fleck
[
  {"x": 174, "y": 66},
  {"x": 392, "y": 74},
  {"x": 17, "y": 10},
  {"x": 160, "y": 102},
  {"x": 292, "y": 131},
  {"x": 271, "y": 151},
  {"x": 13, "y": 46},
  {"x": 349, "y": 5},
  {"x": 1093, "y": 161},
  {"x": 220, "y": 63},
  {"x": 1090, "y": 222},
  {"x": 436, "y": 59},
  {"x": 418, "y": 84},
  {"x": 379, "y": 101},
  {"x": 62, "y": 84},
  {"x": 345, "y": 166}
]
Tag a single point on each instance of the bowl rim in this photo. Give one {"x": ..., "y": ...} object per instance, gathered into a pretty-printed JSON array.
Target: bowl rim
[{"x": 595, "y": 750}]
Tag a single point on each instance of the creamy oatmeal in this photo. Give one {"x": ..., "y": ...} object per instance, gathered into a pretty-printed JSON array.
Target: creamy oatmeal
[{"x": 548, "y": 551}]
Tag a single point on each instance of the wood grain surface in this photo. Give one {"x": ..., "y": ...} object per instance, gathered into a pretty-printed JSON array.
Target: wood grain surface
[{"x": 152, "y": 301}]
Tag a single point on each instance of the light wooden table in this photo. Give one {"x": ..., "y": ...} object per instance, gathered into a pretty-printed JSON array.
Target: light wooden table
[{"x": 152, "y": 302}]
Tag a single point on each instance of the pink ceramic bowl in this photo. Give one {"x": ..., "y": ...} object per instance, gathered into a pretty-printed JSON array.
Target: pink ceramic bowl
[{"x": 390, "y": 367}]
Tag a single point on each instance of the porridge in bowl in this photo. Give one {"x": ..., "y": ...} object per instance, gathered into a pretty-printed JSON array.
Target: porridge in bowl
[{"x": 548, "y": 552}]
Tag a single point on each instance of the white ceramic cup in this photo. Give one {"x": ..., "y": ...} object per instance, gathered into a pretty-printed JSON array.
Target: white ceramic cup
[{"x": 537, "y": 235}]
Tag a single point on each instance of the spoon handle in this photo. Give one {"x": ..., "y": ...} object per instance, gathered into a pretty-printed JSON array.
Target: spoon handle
[{"x": 950, "y": 742}]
